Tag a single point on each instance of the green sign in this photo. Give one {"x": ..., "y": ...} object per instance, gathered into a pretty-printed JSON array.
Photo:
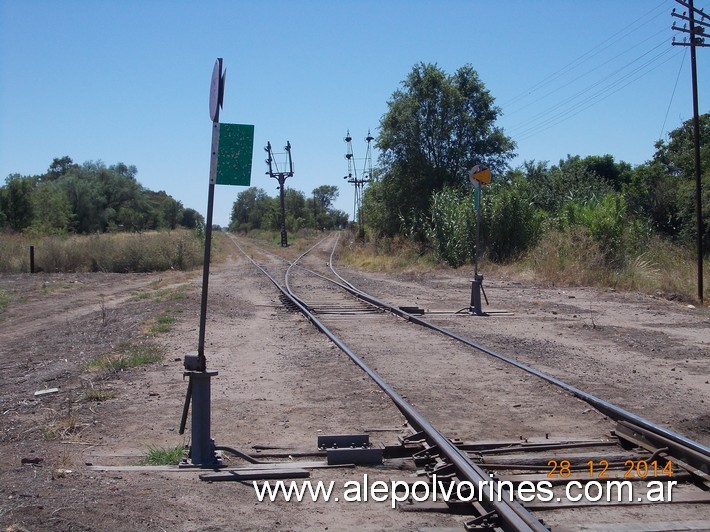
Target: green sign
[{"x": 236, "y": 146}]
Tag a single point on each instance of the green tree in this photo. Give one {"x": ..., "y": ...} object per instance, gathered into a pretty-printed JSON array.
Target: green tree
[
  {"x": 324, "y": 197},
  {"x": 295, "y": 205},
  {"x": 253, "y": 209},
  {"x": 60, "y": 166},
  {"x": 51, "y": 209},
  {"x": 16, "y": 200},
  {"x": 663, "y": 189},
  {"x": 436, "y": 128},
  {"x": 570, "y": 180},
  {"x": 614, "y": 174},
  {"x": 192, "y": 219},
  {"x": 87, "y": 203}
]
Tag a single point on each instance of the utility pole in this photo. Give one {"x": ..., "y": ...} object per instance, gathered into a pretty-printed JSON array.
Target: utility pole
[
  {"x": 281, "y": 178},
  {"x": 696, "y": 29}
]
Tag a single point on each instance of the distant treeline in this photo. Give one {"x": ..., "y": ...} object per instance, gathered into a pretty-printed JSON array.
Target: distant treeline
[
  {"x": 255, "y": 209},
  {"x": 89, "y": 198}
]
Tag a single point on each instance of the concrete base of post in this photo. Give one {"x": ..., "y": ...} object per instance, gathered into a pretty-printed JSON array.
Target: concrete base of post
[
  {"x": 202, "y": 449},
  {"x": 476, "y": 288}
]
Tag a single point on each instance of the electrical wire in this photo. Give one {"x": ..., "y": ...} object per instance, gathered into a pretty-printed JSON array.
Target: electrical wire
[
  {"x": 675, "y": 86},
  {"x": 587, "y": 73},
  {"x": 600, "y": 96},
  {"x": 606, "y": 83},
  {"x": 593, "y": 52},
  {"x": 598, "y": 90}
]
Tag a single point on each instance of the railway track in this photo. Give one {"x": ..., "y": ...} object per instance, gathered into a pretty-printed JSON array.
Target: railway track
[{"x": 612, "y": 445}]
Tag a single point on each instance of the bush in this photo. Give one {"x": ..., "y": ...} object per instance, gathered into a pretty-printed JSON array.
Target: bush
[
  {"x": 512, "y": 223},
  {"x": 451, "y": 226},
  {"x": 571, "y": 257}
]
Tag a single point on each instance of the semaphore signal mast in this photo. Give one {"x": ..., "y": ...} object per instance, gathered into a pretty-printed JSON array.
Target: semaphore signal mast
[{"x": 359, "y": 182}]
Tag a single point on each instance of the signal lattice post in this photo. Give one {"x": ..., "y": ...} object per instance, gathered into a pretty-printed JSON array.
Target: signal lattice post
[
  {"x": 359, "y": 183},
  {"x": 281, "y": 178}
]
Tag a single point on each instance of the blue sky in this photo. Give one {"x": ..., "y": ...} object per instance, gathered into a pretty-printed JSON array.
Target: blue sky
[{"x": 129, "y": 81}]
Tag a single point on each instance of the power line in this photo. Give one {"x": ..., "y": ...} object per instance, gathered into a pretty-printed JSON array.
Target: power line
[
  {"x": 587, "y": 73},
  {"x": 606, "y": 85},
  {"x": 599, "y": 90},
  {"x": 675, "y": 86},
  {"x": 596, "y": 50},
  {"x": 597, "y": 97}
]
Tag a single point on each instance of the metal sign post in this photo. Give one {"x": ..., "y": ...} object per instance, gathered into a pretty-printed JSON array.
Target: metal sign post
[
  {"x": 230, "y": 164},
  {"x": 478, "y": 177},
  {"x": 202, "y": 448}
]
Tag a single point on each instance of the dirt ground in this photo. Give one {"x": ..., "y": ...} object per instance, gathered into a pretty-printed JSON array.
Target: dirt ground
[{"x": 281, "y": 384}]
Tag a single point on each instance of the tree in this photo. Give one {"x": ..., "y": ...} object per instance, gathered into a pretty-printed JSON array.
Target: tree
[
  {"x": 192, "y": 219},
  {"x": 86, "y": 198},
  {"x": 60, "y": 167},
  {"x": 253, "y": 209},
  {"x": 51, "y": 209},
  {"x": 295, "y": 205},
  {"x": 616, "y": 175},
  {"x": 326, "y": 195},
  {"x": 436, "y": 128},
  {"x": 570, "y": 180},
  {"x": 16, "y": 200},
  {"x": 87, "y": 203},
  {"x": 663, "y": 189}
]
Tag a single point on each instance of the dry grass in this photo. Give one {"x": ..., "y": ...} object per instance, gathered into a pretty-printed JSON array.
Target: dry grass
[
  {"x": 110, "y": 252},
  {"x": 569, "y": 258},
  {"x": 664, "y": 269},
  {"x": 62, "y": 427},
  {"x": 98, "y": 395},
  {"x": 385, "y": 255},
  {"x": 561, "y": 258},
  {"x": 573, "y": 258}
]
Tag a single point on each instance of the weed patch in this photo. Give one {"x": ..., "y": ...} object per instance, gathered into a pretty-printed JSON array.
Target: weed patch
[
  {"x": 163, "y": 324},
  {"x": 109, "y": 252},
  {"x": 134, "y": 356},
  {"x": 4, "y": 299},
  {"x": 162, "y": 456},
  {"x": 161, "y": 295},
  {"x": 62, "y": 427},
  {"x": 97, "y": 395}
]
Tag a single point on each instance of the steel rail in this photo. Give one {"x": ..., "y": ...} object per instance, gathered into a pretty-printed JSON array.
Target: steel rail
[
  {"x": 612, "y": 411},
  {"x": 512, "y": 515}
]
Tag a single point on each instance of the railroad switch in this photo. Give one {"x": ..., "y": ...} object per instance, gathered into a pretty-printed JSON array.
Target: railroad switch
[{"x": 350, "y": 449}]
